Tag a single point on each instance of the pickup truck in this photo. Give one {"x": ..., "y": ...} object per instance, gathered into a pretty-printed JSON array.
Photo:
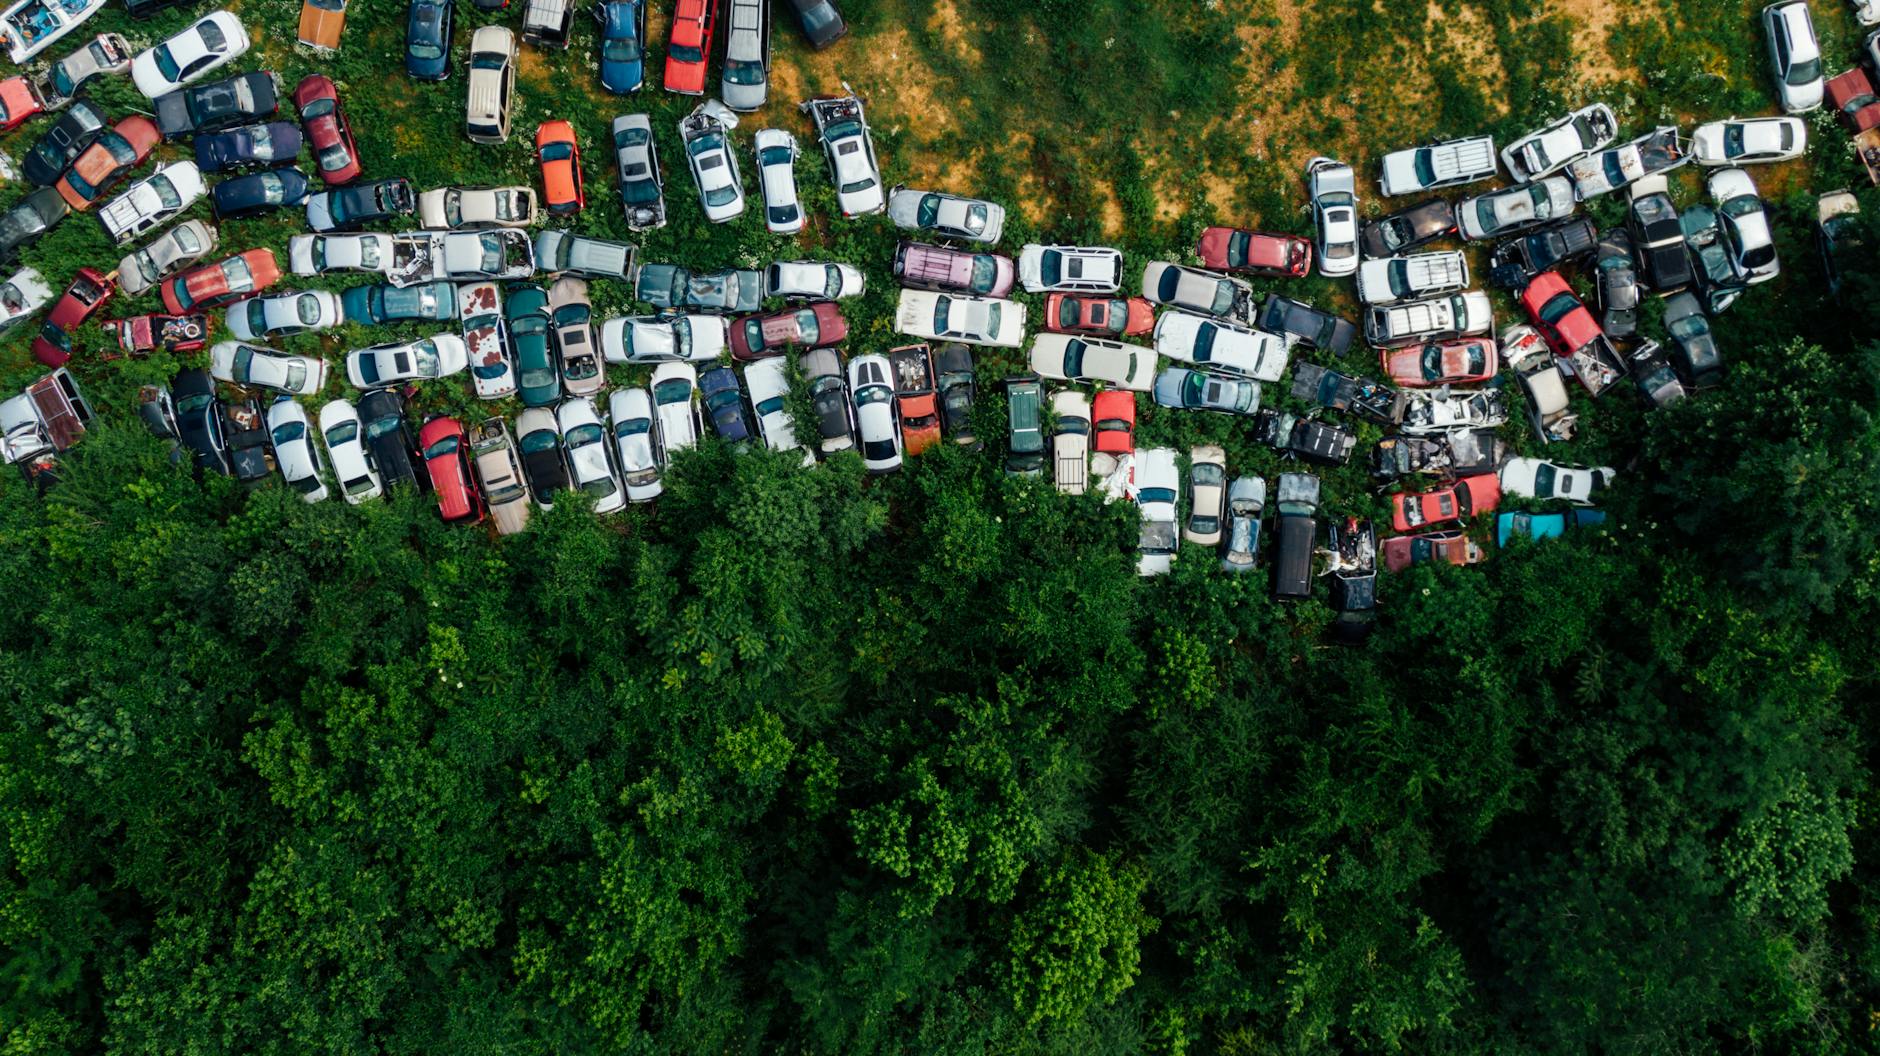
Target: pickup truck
[
  {"x": 915, "y": 402},
  {"x": 1394, "y": 279},
  {"x": 1453, "y": 315},
  {"x": 545, "y": 23},
  {"x": 1657, "y": 151},
  {"x": 1363, "y": 397},
  {"x": 1447, "y": 164},
  {"x": 461, "y": 256},
  {"x": 1298, "y": 532},
  {"x": 1070, "y": 441},
  {"x": 1353, "y": 568},
  {"x": 1534, "y": 364},
  {"x": 47, "y": 417}
]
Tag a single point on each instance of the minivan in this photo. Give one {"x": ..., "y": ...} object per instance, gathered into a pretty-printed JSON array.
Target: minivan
[
  {"x": 492, "y": 85},
  {"x": 1024, "y": 398},
  {"x": 925, "y": 267},
  {"x": 747, "y": 55}
]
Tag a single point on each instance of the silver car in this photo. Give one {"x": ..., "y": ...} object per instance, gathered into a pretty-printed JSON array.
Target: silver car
[
  {"x": 747, "y": 55},
  {"x": 1794, "y": 55},
  {"x": 1334, "y": 192},
  {"x": 182, "y": 245},
  {"x": 947, "y": 215},
  {"x": 706, "y": 132}
]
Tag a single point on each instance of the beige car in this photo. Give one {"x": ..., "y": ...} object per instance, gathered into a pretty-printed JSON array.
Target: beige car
[
  {"x": 455, "y": 208},
  {"x": 1070, "y": 440},
  {"x": 1207, "y": 495},
  {"x": 492, "y": 84},
  {"x": 499, "y": 473},
  {"x": 571, "y": 317}
]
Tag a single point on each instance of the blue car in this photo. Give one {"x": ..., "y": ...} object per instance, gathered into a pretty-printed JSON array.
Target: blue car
[
  {"x": 724, "y": 401},
  {"x": 623, "y": 51},
  {"x": 262, "y": 144},
  {"x": 1544, "y": 525},
  {"x": 384, "y": 303},
  {"x": 428, "y": 25},
  {"x": 259, "y": 193}
]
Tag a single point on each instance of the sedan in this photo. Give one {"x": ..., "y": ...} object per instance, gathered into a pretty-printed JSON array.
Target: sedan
[
  {"x": 1744, "y": 226},
  {"x": 1548, "y": 150},
  {"x": 19, "y": 100},
  {"x": 213, "y": 285},
  {"x": 544, "y": 463},
  {"x": 349, "y": 208},
  {"x": 1207, "y": 495},
  {"x": 428, "y": 25},
  {"x": 1559, "y": 314},
  {"x": 590, "y": 468},
  {"x": 1749, "y": 140},
  {"x": 776, "y": 174},
  {"x": 1452, "y": 547},
  {"x": 327, "y": 129},
  {"x": 758, "y": 336},
  {"x": 1065, "y": 358},
  {"x": 1794, "y": 55},
  {"x": 260, "y": 144},
  {"x": 822, "y": 23},
  {"x": 812, "y": 280},
  {"x": 397, "y": 362},
  {"x": 106, "y": 53},
  {"x": 1452, "y": 502},
  {"x": 1193, "y": 390},
  {"x": 665, "y": 338},
  {"x": 947, "y": 215},
  {"x": 526, "y": 310},
  {"x": 388, "y": 437},
  {"x": 1254, "y": 252},
  {"x": 214, "y": 40},
  {"x": 571, "y": 320},
  {"x": 199, "y": 420},
  {"x": 675, "y": 405},
  {"x": 1457, "y": 362},
  {"x": 110, "y": 158},
  {"x": 492, "y": 368},
  {"x": 1504, "y": 212},
  {"x": 218, "y": 104},
  {"x": 181, "y": 245},
  {"x": 1215, "y": 345},
  {"x": 282, "y": 314},
  {"x": 714, "y": 167},
  {"x": 636, "y": 161},
  {"x": 445, "y": 447},
  {"x": 969, "y": 320},
  {"x": 1071, "y": 313},
  {"x": 328, "y": 254},
  {"x": 58, "y": 145},
  {"x": 1070, "y": 269},
  {"x": 768, "y": 382},
  {"x": 1616, "y": 275},
  {"x": 345, "y": 446},
  {"x": 1334, "y": 192},
  {"x": 381, "y": 302},
  {"x": 560, "y": 158},
  {"x": 871, "y": 382},
  {"x": 450, "y": 208},
  {"x": 1534, "y": 478},
  {"x": 291, "y": 433},
  {"x": 724, "y": 404},
  {"x": 1113, "y": 413},
  {"x": 623, "y": 56},
  {"x": 1694, "y": 346},
  {"x": 1298, "y": 321},
  {"x": 1407, "y": 230},
  {"x": 1198, "y": 291},
  {"x": 243, "y": 364},
  {"x": 260, "y": 192},
  {"x": 828, "y": 398},
  {"x": 636, "y": 449}
]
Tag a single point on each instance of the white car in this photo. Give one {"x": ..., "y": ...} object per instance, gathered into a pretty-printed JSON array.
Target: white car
[
  {"x": 767, "y": 383},
  {"x": 152, "y": 201},
  {"x": 1333, "y": 188},
  {"x": 1504, "y": 212},
  {"x": 1070, "y": 269},
  {"x": 1866, "y": 12},
  {"x": 1224, "y": 348},
  {"x": 988, "y": 321},
  {"x": 675, "y": 405},
  {"x": 1205, "y": 292},
  {"x": 281, "y": 314},
  {"x": 167, "y": 254},
  {"x": 665, "y": 338},
  {"x": 714, "y": 165},
  {"x": 345, "y": 445},
  {"x": 1653, "y": 153},
  {"x": 1065, "y": 357},
  {"x": 1743, "y": 224},
  {"x": 871, "y": 384},
  {"x": 1534, "y": 478},
  {"x": 325, "y": 254},
  {"x": 22, "y": 295},
  {"x": 29, "y": 27},
  {"x": 486, "y": 340},
  {"x": 776, "y": 173},
  {"x": 947, "y": 215},
  {"x": 1158, "y": 483},
  {"x": 449, "y": 208},
  {"x": 636, "y": 448},
  {"x": 1387, "y": 280},
  {"x": 590, "y": 468},
  {"x": 291, "y": 433},
  {"x": 243, "y": 364},
  {"x": 211, "y": 41},
  {"x": 1794, "y": 55},
  {"x": 397, "y": 362},
  {"x": 812, "y": 280},
  {"x": 462, "y": 256},
  {"x": 1749, "y": 140},
  {"x": 843, "y": 126},
  {"x": 1551, "y": 148},
  {"x": 1450, "y": 163}
]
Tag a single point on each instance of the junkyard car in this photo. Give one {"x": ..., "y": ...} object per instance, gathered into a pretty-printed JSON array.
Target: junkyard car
[
  {"x": 1334, "y": 192},
  {"x": 1504, "y": 212},
  {"x": 969, "y": 320},
  {"x": 1553, "y": 146}
]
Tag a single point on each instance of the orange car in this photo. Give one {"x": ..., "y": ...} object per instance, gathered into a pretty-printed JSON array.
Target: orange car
[
  {"x": 109, "y": 159},
  {"x": 914, "y": 397},
  {"x": 561, "y": 167},
  {"x": 320, "y": 23}
]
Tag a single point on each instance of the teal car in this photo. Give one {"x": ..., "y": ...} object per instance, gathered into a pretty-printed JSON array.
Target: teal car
[
  {"x": 1544, "y": 525},
  {"x": 384, "y": 303},
  {"x": 525, "y": 308}
]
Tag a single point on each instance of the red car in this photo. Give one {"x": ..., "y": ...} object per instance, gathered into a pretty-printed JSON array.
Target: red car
[
  {"x": 141, "y": 335},
  {"x": 1114, "y": 414},
  {"x": 1402, "y": 551},
  {"x": 1464, "y": 498},
  {"x": 1852, "y": 95},
  {"x": 1457, "y": 362},
  {"x": 447, "y": 460},
  {"x": 689, "y": 45},
  {"x": 1081, "y": 313},
  {"x": 1559, "y": 314},
  {"x": 1237, "y": 249},
  {"x": 19, "y": 100},
  {"x": 811, "y": 326},
  {"x": 229, "y": 279},
  {"x": 110, "y": 158},
  {"x": 84, "y": 297},
  {"x": 326, "y": 128},
  {"x": 560, "y": 157}
]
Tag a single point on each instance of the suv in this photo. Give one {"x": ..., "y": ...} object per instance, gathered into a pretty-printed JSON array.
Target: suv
[
  {"x": 492, "y": 85},
  {"x": 1024, "y": 399},
  {"x": 1434, "y": 319},
  {"x": 545, "y": 23},
  {"x": 1297, "y": 502},
  {"x": 601, "y": 258},
  {"x": 925, "y": 267},
  {"x": 747, "y": 55}
]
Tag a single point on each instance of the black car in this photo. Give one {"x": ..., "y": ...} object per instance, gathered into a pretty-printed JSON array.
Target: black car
[
  {"x": 1841, "y": 236},
  {"x": 1354, "y": 580},
  {"x": 30, "y": 217},
  {"x": 822, "y": 23},
  {"x": 199, "y": 420},
  {"x": 953, "y": 364},
  {"x": 267, "y": 143},
  {"x": 68, "y": 136},
  {"x": 142, "y": 9},
  {"x": 1656, "y": 378},
  {"x": 1617, "y": 276},
  {"x": 428, "y": 25},
  {"x": 1457, "y": 453},
  {"x": 1518, "y": 259},
  {"x": 1694, "y": 347},
  {"x": 1408, "y": 229},
  {"x": 1363, "y": 397},
  {"x": 1716, "y": 275},
  {"x": 248, "y": 446},
  {"x": 1315, "y": 327},
  {"x": 352, "y": 207},
  {"x": 259, "y": 193},
  {"x": 216, "y": 105},
  {"x": 544, "y": 464},
  {"x": 1308, "y": 439},
  {"x": 1658, "y": 242},
  {"x": 388, "y": 438}
]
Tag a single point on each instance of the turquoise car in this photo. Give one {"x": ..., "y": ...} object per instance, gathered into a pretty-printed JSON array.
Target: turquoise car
[
  {"x": 526, "y": 309},
  {"x": 385, "y": 303},
  {"x": 1544, "y": 525}
]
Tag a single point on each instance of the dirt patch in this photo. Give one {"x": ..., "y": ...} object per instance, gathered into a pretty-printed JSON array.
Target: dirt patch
[
  {"x": 532, "y": 68},
  {"x": 1591, "y": 20},
  {"x": 1468, "y": 38},
  {"x": 945, "y": 23}
]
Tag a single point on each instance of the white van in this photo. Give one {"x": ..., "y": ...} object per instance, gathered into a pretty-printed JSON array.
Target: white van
[{"x": 492, "y": 85}]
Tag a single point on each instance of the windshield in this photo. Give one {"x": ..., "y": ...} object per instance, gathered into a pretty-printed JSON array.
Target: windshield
[
  {"x": 1544, "y": 481},
  {"x": 343, "y": 433},
  {"x": 1223, "y": 298},
  {"x": 675, "y": 390},
  {"x": 721, "y": 195},
  {"x": 1805, "y": 72},
  {"x": 288, "y": 432},
  {"x": 685, "y": 53},
  {"x": 737, "y": 72}
]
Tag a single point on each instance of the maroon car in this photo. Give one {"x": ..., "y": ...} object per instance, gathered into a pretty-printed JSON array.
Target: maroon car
[
  {"x": 326, "y": 128},
  {"x": 1256, "y": 252},
  {"x": 88, "y": 293},
  {"x": 811, "y": 326},
  {"x": 1452, "y": 546},
  {"x": 141, "y": 335}
]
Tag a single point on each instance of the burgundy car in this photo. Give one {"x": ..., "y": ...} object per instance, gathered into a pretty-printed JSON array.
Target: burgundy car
[
  {"x": 813, "y": 325},
  {"x": 326, "y": 128},
  {"x": 1237, "y": 249},
  {"x": 1452, "y": 546},
  {"x": 1084, "y": 313},
  {"x": 141, "y": 335},
  {"x": 88, "y": 293},
  {"x": 447, "y": 460}
]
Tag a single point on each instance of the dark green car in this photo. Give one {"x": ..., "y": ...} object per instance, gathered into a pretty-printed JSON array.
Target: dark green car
[{"x": 526, "y": 310}]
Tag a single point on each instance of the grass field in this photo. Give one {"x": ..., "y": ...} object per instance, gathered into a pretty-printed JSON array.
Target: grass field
[{"x": 1094, "y": 121}]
